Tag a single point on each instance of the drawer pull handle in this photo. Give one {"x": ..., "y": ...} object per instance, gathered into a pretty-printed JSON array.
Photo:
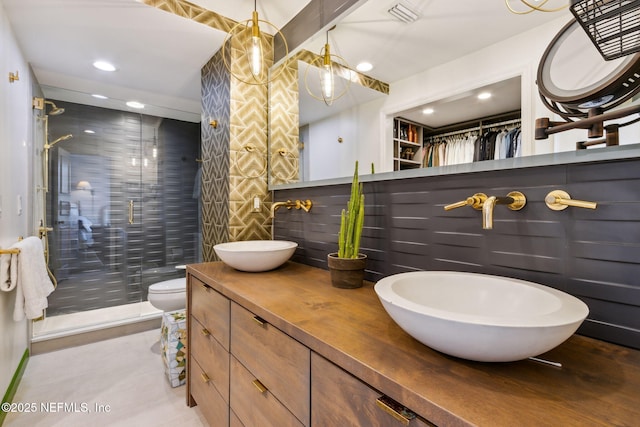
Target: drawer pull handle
[
  {"x": 395, "y": 409},
  {"x": 259, "y": 320},
  {"x": 261, "y": 388},
  {"x": 205, "y": 332},
  {"x": 205, "y": 377}
]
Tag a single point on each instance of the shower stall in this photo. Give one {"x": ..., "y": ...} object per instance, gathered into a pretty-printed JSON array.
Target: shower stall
[{"x": 121, "y": 200}]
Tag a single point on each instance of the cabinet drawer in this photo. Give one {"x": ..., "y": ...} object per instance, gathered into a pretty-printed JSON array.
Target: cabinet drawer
[
  {"x": 211, "y": 309},
  {"x": 211, "y": 356},
  {"x": 234, "y": 421},
  {"x": 214, "y": 408},
  {"x": 340, "y": 399},
  {"x": 254, "y": 406},
  {"x": 277, "y": 360}
]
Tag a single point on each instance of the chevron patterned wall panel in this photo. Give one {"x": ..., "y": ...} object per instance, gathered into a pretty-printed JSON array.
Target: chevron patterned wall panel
[
  {"x": 248, "y": 150},
  {"x": 284, "y": 123},
  {"x": 215, "y": 155},
  {"x": 234, "y": 154}
]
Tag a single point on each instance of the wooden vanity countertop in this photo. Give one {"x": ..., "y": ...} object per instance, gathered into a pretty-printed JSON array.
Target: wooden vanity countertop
[{"x": 598, "y": 384}]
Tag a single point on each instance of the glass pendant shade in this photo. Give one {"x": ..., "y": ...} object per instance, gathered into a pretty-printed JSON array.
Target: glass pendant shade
[
  {"x": 332, "y": 70},
  {"x": 256, "y": 47},
  {"x": 246, "y": 48},
  {"x": 327, "y": 75}
]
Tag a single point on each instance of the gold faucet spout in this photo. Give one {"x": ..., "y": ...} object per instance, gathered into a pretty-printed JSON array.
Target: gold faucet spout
[
  {"x": 277, "y": 205},
  {"x": 514, "y": 201},
  {"x": 487, "y": 212}
]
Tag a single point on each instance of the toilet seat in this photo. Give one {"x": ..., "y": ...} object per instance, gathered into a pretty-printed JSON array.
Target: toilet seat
[
  {"x": 169, "y": 286},
  {"x": 169, "y": 295}
]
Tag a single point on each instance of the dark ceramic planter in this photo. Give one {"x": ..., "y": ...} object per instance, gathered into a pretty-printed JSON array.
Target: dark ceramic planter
[{"x": 346, "y": 273}]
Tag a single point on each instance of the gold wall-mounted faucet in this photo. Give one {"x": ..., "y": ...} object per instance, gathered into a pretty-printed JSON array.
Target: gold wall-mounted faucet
[
  {"x": 558, "y": 200},
  {"x": 515, "y": 201},
  {"x": 298, "y": 204},
  {"x": 474, "y": 201}
]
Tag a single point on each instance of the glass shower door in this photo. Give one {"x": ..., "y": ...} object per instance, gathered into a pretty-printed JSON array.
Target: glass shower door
[
  {"x": 93, "y": 181},
  {"x": 123, "y": 208}
]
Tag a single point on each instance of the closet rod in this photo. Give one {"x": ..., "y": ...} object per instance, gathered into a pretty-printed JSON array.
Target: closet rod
[
  {"x": 475, "y": 128},
  {"x": 506, "y": 122},
  {"x": 455, "y": 132}
]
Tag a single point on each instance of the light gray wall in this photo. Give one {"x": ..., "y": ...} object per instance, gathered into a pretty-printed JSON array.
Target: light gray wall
[{"x": 16, "y": 167}]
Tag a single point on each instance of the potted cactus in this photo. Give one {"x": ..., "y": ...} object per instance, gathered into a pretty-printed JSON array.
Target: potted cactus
[{"x": 347, "y": 265}]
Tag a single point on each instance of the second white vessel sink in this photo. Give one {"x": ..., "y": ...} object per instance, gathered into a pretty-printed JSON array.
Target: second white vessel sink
[
  {"x": 480, "y": 317},
  {"x": 255, "y": 255}
]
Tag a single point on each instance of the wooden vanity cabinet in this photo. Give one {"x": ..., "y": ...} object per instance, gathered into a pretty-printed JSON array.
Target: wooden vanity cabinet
[
  {"x": 245, "y": 372},
  {"x": 270, "y": 381},
  {"x": 208, "y": 351},
  {"x": 326, "y": 356},
  {"x": 340, "y": 399}
]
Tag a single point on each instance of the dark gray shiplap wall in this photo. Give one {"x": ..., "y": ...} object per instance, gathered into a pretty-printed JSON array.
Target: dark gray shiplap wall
[{"x": 592, "y": 254}]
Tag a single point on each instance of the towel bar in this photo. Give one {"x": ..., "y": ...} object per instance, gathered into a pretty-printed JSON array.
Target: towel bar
[{"x": 9, "y": 251}]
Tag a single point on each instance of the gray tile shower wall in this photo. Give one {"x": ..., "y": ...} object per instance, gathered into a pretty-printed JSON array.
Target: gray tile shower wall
[
  {"x": 592, "y": 254},
  {"x": 122, "y": 259}
]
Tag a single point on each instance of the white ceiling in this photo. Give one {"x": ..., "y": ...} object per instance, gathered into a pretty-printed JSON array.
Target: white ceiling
[{"x": 159, "y": 55}]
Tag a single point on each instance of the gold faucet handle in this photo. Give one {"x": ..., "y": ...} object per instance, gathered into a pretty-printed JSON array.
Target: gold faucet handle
[
  {"x": 306, "y": 205},
  {"x": 558, "y": 200},
  {"x": 519, "y": 200},
  {"x": 476, "y": 201}
]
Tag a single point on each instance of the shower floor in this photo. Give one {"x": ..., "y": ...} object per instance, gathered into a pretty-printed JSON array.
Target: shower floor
[
  {"x": 84, "y": 321},
  {"x": 91, "y": 296},
  {"x": 90, "y": 290}
]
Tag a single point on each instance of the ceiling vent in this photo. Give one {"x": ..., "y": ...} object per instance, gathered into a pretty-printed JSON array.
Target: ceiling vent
[{"x": 404, "y": 13}]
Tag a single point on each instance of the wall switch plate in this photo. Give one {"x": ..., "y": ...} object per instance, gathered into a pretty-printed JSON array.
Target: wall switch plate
[{"x": 256, "y": 203}]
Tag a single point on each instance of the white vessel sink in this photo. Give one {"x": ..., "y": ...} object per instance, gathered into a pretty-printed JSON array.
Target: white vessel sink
[
  {"x": 480, "y": 317},
  {"x": 255, "y": 255}
]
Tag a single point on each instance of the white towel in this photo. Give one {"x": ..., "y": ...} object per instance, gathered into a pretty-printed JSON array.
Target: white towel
[
  {"x": 33, "y": 283},
  {"x": 8, "y": 275}
]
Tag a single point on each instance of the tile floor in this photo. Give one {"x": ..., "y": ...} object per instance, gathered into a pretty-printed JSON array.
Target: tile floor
[{"x": 124, "y": 374}]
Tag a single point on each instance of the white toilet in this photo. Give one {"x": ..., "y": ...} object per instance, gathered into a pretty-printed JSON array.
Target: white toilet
[{"x": 169, "y": 295}]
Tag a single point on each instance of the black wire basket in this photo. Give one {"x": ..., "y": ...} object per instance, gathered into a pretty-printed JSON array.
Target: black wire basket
[{"x": 612, "y": 25}]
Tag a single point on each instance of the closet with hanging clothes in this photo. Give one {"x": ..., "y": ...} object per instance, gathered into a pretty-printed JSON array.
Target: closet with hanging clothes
[{"x": 486, "y": 141}]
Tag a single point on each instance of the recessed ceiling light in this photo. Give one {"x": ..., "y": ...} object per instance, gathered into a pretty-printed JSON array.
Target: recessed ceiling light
[
  {"x": 135, "y": 104},
  {"x": 89, "y": 131},
  {"x": 104, "y": 66},
  {"x": 95, "y": 95},
  {"x": 363, "y": 67},
  {"x": 427, "y": 110},
  {"x": 484, "y": 95}
]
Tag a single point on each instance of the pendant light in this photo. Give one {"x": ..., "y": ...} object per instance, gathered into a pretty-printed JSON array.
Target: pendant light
[
  {"x": 252, "y": 43},
  {"x": 331, "y": 70},
  {"x": 533, "y": 6}
]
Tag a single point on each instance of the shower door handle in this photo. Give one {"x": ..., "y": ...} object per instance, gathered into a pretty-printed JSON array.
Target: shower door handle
[{"x": 130, "y": 211}]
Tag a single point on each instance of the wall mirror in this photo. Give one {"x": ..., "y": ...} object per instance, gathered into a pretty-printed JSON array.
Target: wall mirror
[{"x": 448, "y": 66}]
